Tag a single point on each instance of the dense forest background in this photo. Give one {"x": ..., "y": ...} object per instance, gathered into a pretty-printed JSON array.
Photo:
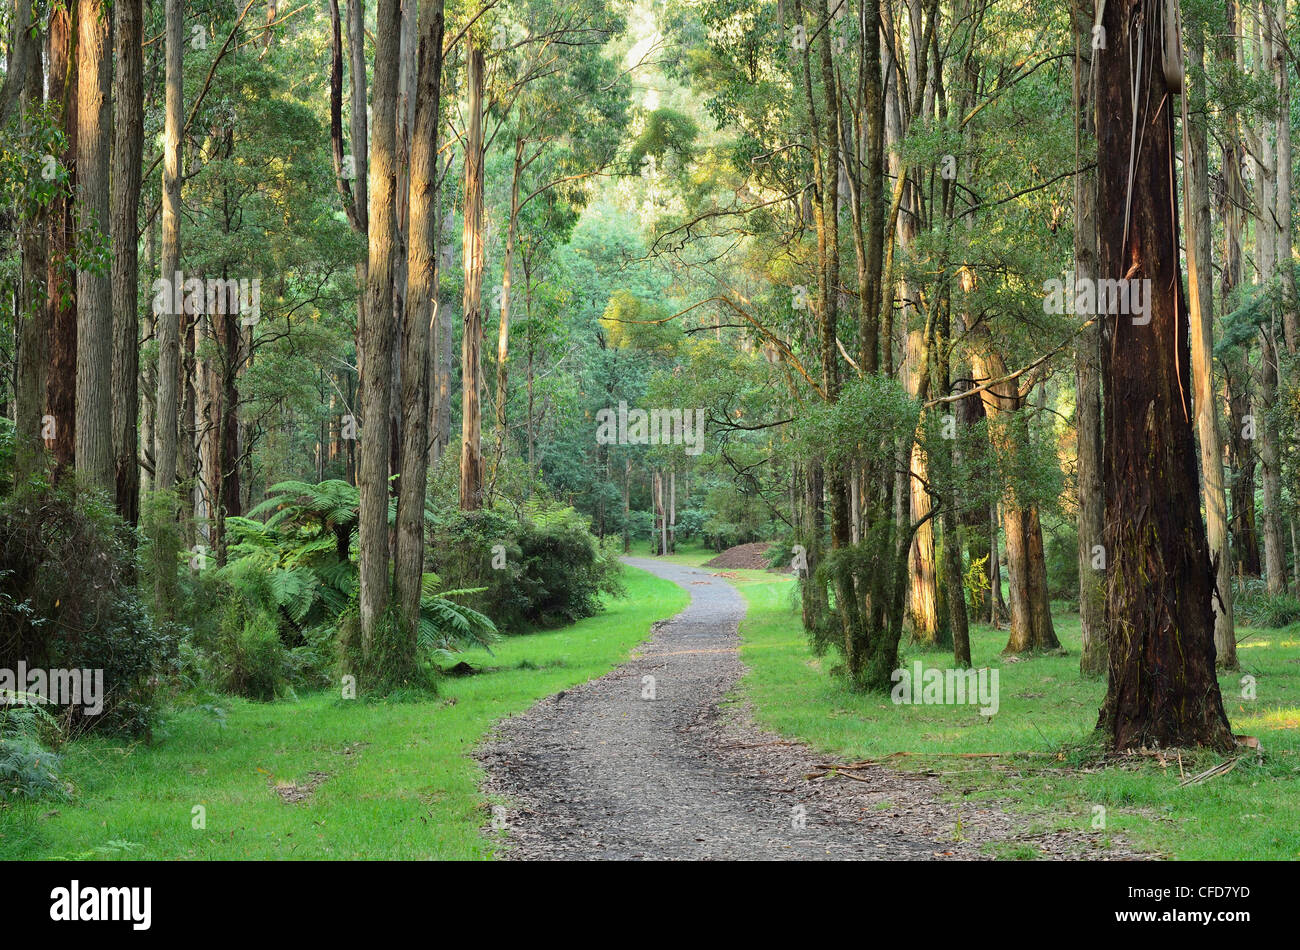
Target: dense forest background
[{"x": 312, "y": 312}]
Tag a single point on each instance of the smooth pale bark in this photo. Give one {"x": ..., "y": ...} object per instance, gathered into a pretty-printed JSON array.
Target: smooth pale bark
[
  {"x": 1162, "y": 688},
  {"x": 128, "y": 145},
  {"x": 165, "y": 449},
  {"x": 471, "y": 356},
  {"x": 375, "y": 336},
  {"x": 94, "y": 437},
  {"x": 421, "y": 302},
  {"x": 1200, "y": 306},
  {"x": 922, "y": 588},
  {"x": 503, "y": 331}
]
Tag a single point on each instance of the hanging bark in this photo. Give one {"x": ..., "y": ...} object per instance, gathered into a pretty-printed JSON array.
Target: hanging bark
[{"x": 1162, "y": 688}]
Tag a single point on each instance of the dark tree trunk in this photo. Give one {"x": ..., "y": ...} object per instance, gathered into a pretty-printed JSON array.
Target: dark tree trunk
[
  {"x": 128, "y": 130},
  {"x": 1162, "y": 687},
  {"x": 61, "y": 383}
]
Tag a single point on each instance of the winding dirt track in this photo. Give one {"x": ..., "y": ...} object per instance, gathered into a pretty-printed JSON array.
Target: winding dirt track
[{"x": 605, "y": 771}]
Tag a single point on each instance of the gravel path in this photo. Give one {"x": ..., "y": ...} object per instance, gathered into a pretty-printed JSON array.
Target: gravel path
[{"x": 643, "y": 763}]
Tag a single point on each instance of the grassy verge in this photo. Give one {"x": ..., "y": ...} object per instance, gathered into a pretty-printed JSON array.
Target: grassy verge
[
  {"x": 1046, "y": 709},
  {"x": 399, "y": 778}
]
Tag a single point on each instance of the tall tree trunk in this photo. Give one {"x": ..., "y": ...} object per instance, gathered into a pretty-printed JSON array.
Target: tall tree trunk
[
  {"x": 1091, "y": 492},
  {"x": 1031, "y": 615},
  {"x": 33, "y": 353},
  {"x": 128, "y": 131},
  {"x": 421, "y": 301},
  {"x": 503, "y": 332},
  {"x": 1282, "y": 85},
  {"x": 375, "y": 339},
  {"x": 922, "y": 588},
  {"x": 471, "y": 454},
  {"x": 94, "y": 445},
  {"x": 169, "y": 318},
  {"x": 1162, "y": 688},
  {"x": 61, "y": 286},
  {"x": 1200, "y": 305},
  {"x": 1266, "y": 246}
]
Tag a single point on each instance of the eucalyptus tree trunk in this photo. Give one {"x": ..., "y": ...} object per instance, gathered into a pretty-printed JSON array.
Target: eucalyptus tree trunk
[
  {"x": 61, "y": 285},
  {"x": 1282, "y": 85},
  {"x": 375, "y": 337},
  {"x": 1162, "y": 689},
  {"x": 128, "y": 145},
  {"x": 1031, "y": 614},
  {"x": 503, "y": 331},
  {"x": 94, "y": 437},
  {"x": 1236, "y": 365},
  {"x": 1266, "y": 247},
  {"x": 471, "y": 454},
  {"x": 1200, "y": 305},
  {"x": 165, "y": 423},
  {"x": 1087, "y": 418},
  {"x": 33, "y": 354},
  {"x": 421, "y": 303}
]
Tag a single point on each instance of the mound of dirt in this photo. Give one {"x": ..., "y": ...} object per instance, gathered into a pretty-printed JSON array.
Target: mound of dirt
[{"x": 748, "y": 556}]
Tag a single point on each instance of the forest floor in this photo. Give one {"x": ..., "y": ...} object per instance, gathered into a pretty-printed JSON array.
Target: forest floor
[
  {"x": 655, "y": 761},
  {"x": 1039, "y": 757},
  {"x": 316, "y": 776}
]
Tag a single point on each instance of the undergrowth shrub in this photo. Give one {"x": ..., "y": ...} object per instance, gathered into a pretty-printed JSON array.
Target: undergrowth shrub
[
  {"x": 540, "y": 569},
  {"x": 1254, "y": 606},
  {"x": 68, "y": 600},
  {"x": 27, "y": 768}
]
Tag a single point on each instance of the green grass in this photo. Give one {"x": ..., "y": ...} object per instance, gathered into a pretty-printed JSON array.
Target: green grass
[
  {"x": 1046, "y": 708},
  {"x": 402, "y": 782}
]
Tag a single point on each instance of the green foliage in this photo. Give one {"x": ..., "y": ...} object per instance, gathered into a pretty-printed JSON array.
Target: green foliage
[
  {"x": 271, "y": 617},
  {"x": 1254, "y": 605},
  {"x": 27, "y": 768},
  {"x": 68, "y": 601},
  {"x": 540, "y": 569}
]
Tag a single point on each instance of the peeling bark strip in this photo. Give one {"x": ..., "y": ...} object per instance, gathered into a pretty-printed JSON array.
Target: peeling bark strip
[{"x": 1162, "y": 688}]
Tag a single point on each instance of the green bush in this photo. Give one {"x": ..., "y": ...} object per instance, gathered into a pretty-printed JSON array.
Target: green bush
[
  {"x": 541, "y": 569},
  {"x": 68, "y": 600},
  {"x": 269, "y": 620},
  {"x": 27, "y": 768}
]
